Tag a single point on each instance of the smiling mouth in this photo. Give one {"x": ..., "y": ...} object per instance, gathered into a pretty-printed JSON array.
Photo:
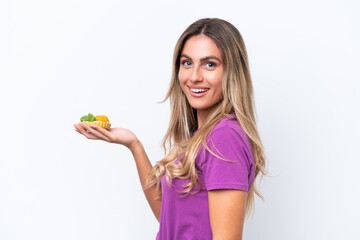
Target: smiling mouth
[{"x": 199, "y": 90}]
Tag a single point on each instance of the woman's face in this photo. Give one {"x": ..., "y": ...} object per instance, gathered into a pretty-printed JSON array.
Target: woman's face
[{"x": 200, "y": 73}]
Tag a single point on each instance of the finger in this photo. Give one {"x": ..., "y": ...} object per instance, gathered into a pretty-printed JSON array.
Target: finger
[
  {"x": 95, "y": 131},
  {"x": 103, "y": 131},
  {"x": 76, "y": 129},
  {"x": 81, "y": 129}
]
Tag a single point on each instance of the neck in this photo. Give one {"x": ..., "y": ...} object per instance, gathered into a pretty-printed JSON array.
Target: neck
[{"x": 202, "y": 116}]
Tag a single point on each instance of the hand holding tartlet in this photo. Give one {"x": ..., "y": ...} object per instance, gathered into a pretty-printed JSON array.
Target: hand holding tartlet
[
  {"x": 100, "y": 120},
  {"x": 101, "y": 131}
]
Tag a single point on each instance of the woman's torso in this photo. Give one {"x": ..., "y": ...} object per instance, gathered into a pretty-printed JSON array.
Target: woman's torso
[{"x": 187, "y": 217}]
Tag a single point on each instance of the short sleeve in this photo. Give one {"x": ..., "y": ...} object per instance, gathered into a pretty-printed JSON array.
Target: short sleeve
[{"x": 226, "y": 143}]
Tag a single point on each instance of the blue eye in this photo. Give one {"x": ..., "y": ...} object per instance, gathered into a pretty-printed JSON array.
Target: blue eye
[
  {"x": 186, "y": 63},
  {"x": 210, "y": 65}
]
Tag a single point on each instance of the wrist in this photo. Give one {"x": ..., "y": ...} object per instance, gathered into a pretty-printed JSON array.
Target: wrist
[{"x": 135, "y": 145}]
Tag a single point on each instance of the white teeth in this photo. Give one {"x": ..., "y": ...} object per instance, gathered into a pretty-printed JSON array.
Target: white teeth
[{"x": 197, "y": 90}]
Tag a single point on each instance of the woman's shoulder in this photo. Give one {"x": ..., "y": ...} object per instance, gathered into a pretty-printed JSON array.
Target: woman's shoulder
[
  {"x": 228, "y": 139},
  {"x": 228, "y": 123},
  {"x": 229, "y": 127}
]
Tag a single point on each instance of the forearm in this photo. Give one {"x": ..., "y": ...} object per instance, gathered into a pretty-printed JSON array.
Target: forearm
[
  {"x": 222, "y": 238},
  {"x": 144, "y": 167}
]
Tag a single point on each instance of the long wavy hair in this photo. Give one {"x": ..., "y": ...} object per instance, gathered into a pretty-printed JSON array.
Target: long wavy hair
[{"x": 180, "y": 138}]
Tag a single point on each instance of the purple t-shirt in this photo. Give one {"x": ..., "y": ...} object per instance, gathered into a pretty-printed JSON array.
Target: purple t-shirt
[{"x": 187, "y": 218}]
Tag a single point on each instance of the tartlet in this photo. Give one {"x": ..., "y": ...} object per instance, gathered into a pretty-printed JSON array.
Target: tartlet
[{"x": 100, "y": 120}]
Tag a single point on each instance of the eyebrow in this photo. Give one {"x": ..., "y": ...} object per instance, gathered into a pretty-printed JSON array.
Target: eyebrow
[{"x": 202, "y": 59}]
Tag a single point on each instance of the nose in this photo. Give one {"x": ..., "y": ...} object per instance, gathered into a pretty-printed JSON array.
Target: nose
[{"x": 196, "y": 75}]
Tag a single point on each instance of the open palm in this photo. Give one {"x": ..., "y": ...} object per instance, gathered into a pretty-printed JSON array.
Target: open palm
[{"x": 113, "y": 135}]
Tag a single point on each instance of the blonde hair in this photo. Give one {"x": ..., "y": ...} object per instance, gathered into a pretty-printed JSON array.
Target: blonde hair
[{"x": 237, "y": 98}]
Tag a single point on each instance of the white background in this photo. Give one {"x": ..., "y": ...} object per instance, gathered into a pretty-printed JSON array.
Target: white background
[{"x": 62, "y": 59}]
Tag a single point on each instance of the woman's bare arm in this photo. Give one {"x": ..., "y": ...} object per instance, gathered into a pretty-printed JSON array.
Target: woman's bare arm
[
  {"x": 127, "y": 138},
  {"x": 227, "y": 213},
  {"x": 144, "y": 167}
]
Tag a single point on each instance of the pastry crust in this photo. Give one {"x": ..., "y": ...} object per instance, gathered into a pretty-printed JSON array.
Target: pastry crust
[{"x": 105, "y": 125}]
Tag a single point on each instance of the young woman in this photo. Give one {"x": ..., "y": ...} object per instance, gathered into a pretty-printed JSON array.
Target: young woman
[{"x": 203, "y": 187}]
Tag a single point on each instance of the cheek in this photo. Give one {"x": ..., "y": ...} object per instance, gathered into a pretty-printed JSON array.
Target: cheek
[
  {"x": 181, "y": 76},
  {"x": 219, "y": 92},
  {"x": 181, "y": 81},
  {"x": 217, "y": 84}
]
